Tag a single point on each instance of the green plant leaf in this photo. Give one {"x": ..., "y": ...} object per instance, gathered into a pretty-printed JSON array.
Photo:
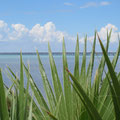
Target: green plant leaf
[
  {"x": 38, "y": 95},
  {"x": 83, "y": 67},
  {"x": 115, "y": 82},
  {"x": 83, "y": 96},
  {"x": 67, "y": 86},
  {"x": 47, "y": 87},
  {"x": 57, "y": 86},
  {"x": 3, "y": 102},
  {"x": 21, "y": 91},
  {"x": 91, "y": 64}
]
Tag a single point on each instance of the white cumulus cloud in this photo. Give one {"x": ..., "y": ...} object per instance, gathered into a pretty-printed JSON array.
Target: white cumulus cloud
[
  {"x": 103, "y": 34},
  {"x": 47, "y": 32},
  {"x": 38, "y": 33},
  {"x": 18, "y": 32},
  {"x": 3, "y": 26}
]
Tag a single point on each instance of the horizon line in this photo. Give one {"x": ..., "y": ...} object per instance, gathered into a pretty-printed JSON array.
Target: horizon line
[{"x": 54, "y": 53}]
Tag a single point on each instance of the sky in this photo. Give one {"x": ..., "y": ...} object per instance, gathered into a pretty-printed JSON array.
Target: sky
[{"x": 28, "y": 25}]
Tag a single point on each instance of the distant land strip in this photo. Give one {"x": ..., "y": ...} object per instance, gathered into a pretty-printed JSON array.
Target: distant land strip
[{"x": 54, "y": 53}]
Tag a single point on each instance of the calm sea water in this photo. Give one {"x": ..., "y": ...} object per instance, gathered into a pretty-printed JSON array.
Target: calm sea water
[{"x": 13, "y": 61}]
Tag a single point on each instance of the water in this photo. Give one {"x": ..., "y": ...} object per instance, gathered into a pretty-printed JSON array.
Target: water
[{"x": 13, "y": 61}]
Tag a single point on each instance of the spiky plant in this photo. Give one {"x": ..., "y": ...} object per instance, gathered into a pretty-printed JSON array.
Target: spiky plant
[{"x": 80, "y": 99}]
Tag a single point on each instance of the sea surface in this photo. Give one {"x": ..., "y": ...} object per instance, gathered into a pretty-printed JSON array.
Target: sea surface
[{"x": 13, "y": 61}]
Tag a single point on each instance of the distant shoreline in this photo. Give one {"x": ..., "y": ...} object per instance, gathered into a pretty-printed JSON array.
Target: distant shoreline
[{"x": 54, "y": 53}]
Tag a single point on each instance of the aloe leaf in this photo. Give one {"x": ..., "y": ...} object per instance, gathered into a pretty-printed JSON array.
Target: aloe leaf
[
  {"x": 92, "y": 110},
  {"x": 67, "y": 86},
  {"x": 47, "y": 87},
  {"x": 3, "y": 103}
]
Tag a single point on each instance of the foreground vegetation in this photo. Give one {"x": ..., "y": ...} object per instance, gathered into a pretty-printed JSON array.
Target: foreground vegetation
[{"x": 79, "y": 99}]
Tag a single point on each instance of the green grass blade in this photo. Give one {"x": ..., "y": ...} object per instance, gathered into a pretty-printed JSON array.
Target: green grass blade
[
  {"x": 93, "y": 111},
  {"x": 105, "y": 85},
  {"x": 91, "y": 64},
  {"x": 21, "y": 91},
  {"x": 67, "y": 86},
  {"x": 114, "y": 98},
  {"x": 96, "y": 89},
  {"x": 38, "y": 95},
  {"x": 83, "y": 67},
  {"x": 57, "y": 107},
  {"x": 76, "y": 68},
  {"x": 76, "y": 101},
  {"x": 102, "y": 62},
  {"x": 98, "y": 77},
  {"x": 3, "y": 103},
  {"x": 26, "y": 95},
  {"x": 56, "y": 81},
  {"x": 115, "y": 82},
  {"x": 52, "y": 116},
  {"x": 57, "y": 86},
  {"x": 30, "y": 111},
  {"x": 81, "y": 116},
  {"x": 13, "y": 107},
  {"x": 47, "y": 87}
]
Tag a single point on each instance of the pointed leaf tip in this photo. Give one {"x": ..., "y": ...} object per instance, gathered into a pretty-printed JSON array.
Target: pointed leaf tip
[{"x": 67, "y": 70}]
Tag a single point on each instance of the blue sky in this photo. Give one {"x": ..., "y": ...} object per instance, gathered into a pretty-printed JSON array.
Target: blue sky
[{"x": 30, "y": 24}]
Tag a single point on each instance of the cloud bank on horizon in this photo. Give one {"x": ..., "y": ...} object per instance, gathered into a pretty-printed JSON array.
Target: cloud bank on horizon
[{"x": 48, "y": 32}]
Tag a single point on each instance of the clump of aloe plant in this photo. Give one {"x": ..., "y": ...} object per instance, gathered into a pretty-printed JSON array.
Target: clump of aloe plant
[{"x": 80, "y": 99}]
